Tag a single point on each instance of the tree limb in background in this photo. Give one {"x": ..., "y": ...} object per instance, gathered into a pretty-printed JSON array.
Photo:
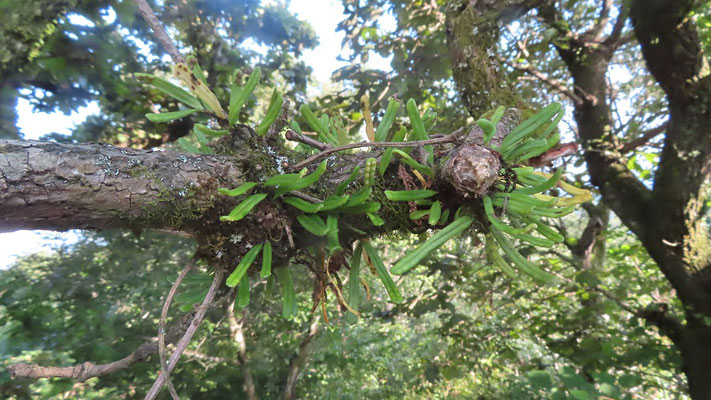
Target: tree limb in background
[
  {"x": 189, "y": 332},
  {"x": 161, "y": 325},
  {"x": 238, "y": 335},
  {"x": 555, "y": 84},
  {"x": 299, "y": 359},
  {"x": 644, "y": 138},
  {"x": 88, "y": 370}
]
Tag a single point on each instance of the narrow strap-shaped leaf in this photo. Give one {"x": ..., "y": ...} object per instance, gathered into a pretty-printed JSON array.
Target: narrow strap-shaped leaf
[
  {"x": 359, "y": 197},
  {"x": 543, "y": 229},
  {"x": 199, "y": 88},
  {"x": 498, "y": 223},
  {"x": 369, "y": 207},
  {"x": 409, "y": 195},
  {"x": 243, "y": 265},
  {"x": 531, "y": 148},
  {"x": 529, "y": 126},
  {"x": 201, "y": 138},
  {"x": 211, "y": 133},
  {"x": 489, "y": 129},
  {"x": 302, "y": 183},
  {"x": 302, "y": 204},
  {"x": 243, "y": 292},
  {"x": 341, "y": 188},
  {"x": 321, "y": 129},
  {"x": 197, "y": 70},
  {"x": 383, "y": 273},
  {"x": 375, "y": 219},
  {"x": 381, "y": 133},
  {"x": 399, "y": 136},
  {"x": 244, "y": 207},
  {"x": 405, "y": 158},
  {"x": 445, "y": 216},
  {"x": 334, "y": 245},
  {"x": 313, "y": 223},
  {"x": 266, "y": 260},
  {"x": 413, "y": 257},
  {"x": 269, "y": 287},
  {"x": 238, "y": 191},
  {"x": 548, "y": 184},
  {"x": 169, "y": 116},
  {"x": 288, "y": 295},
  {"x": 239, "y": 95},
  {"x": 272, "y": 113},
  {"x": 191, "y": 296},
  {"x": 284, "y": 179},
  {"x": 187, "y": 145},
  {"x": 519, "y": 261},
  {"x": 171, "y": 90},
  {"x": 354, "y": 292},
  {"x": 418, "y": 128},
  {"x": 333, "y": 202},
  {"x": 435, "y": 213},
  {"x": 492, "y": 251},
  {"x": 415, "y": 215}
]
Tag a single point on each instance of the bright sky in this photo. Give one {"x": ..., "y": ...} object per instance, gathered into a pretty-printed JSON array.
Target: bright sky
[{"x": 34, "y": 125}]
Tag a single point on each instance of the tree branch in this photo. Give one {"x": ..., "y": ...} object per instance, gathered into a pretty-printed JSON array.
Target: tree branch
[
  {"x": 595, "y": 33},
  {"x": 150, "y": 17},
  {"x": 678, "y": 241},
  {"x": 189, "y": 332},
  {"x": 299, "y": 359},
  {"x": 556, "y": 84},
  {"x": 658, "y": 315},
  {"x": 615, "y": 39},
  {"x": 46, "y": 185},
  {"x": 643, "y": 139},
  {"x": 670, "y": 45},
  {"x": 88, "y": 370},
  {"x": 161, "y": 326},
  {"x": 472, "y": 29},
  {"x": 238, "y": 336},
  {"x": 297, "y": 137},
  {"x": 451, "y": 138}
]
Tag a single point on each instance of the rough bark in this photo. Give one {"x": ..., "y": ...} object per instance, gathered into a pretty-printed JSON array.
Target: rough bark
[
  {"x": 668, "y": 218},
  {"x": 472, "y": 29},
  {"x": 46, "y": 185},
  {"x": 679, "y": 240},
  {"x": 94, "y": 186}
]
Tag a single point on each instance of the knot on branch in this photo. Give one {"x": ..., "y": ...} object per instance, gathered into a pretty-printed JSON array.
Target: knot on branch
[{"x": 472, "y": 170}]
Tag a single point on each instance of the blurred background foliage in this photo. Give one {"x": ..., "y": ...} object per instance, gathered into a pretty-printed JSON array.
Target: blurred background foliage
[{"x": 465, "y": 329}]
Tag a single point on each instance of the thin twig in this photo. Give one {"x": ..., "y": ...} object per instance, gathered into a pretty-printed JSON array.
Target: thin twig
[
  {"x": 159, "y": 31},
  {"x": 185, "y": 340},
  {"x": 451, "y": 138},
  {"x": 297, "y": 137},
  {"x": 161, "y": 327},
  {"x": 88, "y": 370},
  {"x": 644, "y": 138},
  {"x": 615, "y": 39},
  {"x": 305, "y": 196},
  {"x": 552, "y": 82},
  {"x": 604, "y": 17}
]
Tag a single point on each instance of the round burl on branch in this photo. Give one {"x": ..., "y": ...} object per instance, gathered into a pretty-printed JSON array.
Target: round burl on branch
[{"x": 471, "y": 169}]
